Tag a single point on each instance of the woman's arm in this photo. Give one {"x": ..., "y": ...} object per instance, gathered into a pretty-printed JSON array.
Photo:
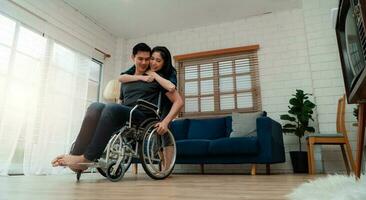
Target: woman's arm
[
  {"x": 177, "y": 101},
  {"x": 166, "y": 84},
  {"x": 125, "y": 78}
]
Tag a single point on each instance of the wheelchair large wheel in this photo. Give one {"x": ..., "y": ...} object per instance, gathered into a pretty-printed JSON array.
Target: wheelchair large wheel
[{"x": 157, "y": 152}]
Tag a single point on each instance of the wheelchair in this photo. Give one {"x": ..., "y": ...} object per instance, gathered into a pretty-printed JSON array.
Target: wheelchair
[{"x": 135, "y": 142}]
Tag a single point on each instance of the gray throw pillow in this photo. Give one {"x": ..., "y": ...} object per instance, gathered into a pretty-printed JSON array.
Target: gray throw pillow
[{"x": 244, "y": 124}]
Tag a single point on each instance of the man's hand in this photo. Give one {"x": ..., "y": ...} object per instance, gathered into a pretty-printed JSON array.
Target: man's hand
[
  {"x": 161, "y": 127},
  {"x": 148, "y": 78}
]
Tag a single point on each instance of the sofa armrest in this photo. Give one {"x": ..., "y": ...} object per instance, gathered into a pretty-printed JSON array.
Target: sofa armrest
[{"x": 270, "y": 140}]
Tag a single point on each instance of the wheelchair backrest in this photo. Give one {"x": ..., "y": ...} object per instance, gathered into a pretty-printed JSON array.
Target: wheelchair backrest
[{"x": 147, "y": 105}]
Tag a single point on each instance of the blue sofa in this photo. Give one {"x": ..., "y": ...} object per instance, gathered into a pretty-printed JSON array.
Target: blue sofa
[{"x": 207, "y": 141}]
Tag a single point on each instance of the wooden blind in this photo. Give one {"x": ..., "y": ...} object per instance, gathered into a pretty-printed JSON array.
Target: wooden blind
[{"x": 219, "y": 82}]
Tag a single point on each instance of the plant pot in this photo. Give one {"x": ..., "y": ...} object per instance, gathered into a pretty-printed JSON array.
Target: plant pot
[{"x": 299, "y": 160}]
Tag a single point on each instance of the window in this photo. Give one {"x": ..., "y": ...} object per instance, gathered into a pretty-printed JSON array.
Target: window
[
  {"x": 220, "y": 81},
  {"x": 44, "y": 88},
  {"x": 94, "y": 82}
]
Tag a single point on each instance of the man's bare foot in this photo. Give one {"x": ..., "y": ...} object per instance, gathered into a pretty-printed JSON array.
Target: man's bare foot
[
  {"x": 56, "y": 162},
  {"x": 74, "y": 162}
]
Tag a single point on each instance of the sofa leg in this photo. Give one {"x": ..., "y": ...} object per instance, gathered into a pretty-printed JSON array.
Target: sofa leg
[
  {"x": 134, "y": 170},
  {"x": 202, "y": 169},
  {"x": 268, "y": 169},
  {"x": 254, "y": 169}
]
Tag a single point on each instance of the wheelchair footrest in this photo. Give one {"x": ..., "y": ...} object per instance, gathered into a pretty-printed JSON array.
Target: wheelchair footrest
[{"x": 100, "y": 164}]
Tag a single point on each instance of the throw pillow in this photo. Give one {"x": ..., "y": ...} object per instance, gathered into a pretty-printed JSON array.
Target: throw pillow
[{"x": 244, "y": 124}]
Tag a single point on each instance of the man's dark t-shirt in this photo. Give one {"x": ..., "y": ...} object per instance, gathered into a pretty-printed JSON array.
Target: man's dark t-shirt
[
  {"x": 140, "y": 90},
  {"x": 166, "y": 104}
]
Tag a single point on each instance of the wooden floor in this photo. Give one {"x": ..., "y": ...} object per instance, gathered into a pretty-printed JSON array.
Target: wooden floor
[{"x": 178, "y": 186}]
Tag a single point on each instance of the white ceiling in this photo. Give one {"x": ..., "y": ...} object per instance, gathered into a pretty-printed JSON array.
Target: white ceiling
[{"x": 136, "y": 18}]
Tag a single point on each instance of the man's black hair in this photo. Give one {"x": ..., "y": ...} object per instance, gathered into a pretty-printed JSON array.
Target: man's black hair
[{"x": 140, "y": 47}]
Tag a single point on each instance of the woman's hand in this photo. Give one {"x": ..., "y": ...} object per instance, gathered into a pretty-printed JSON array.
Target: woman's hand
[
  {"x": 161, "y": 127},
  {"x": 150, "y": 73},
  {"x": 166, "y": 84},
  {"x": 147, "y": 78}
]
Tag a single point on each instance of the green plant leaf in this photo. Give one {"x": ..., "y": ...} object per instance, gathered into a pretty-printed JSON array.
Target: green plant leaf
[
  {"x": 309, "y": 104},
  {"x": 285, "y": 130},
  {"x": 310, "y": 129},
  {"x": 287, "y": 117},
  {"x": 295, "y": 102},
  {"x": 289, "y": 126}
]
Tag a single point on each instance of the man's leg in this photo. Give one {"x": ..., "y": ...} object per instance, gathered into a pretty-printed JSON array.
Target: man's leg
[
  {"x": 86, "y": 133},
  {"x": 88, "y": 128},
  {"x": 114, "y": 116}
]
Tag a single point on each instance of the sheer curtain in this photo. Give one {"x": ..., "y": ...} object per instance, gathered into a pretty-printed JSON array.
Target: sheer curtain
[{"x": 43, "y": 92}]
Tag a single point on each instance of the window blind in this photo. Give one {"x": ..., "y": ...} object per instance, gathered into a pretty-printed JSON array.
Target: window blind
[{"x": 220, "y": 84}]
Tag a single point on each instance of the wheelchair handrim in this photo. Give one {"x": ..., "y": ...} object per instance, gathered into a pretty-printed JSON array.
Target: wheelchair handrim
[{"x": 150, "y": 163}]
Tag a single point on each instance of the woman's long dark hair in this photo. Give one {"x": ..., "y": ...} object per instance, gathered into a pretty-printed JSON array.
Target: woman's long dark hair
[{"x": 167, "y": 68}]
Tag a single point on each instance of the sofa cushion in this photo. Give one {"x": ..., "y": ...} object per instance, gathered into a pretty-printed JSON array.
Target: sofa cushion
[
  {"x": 192, "y": 147},
  {"x": 179, "y": 128},
  {"x": 244, "y": 124},
  {"x": 229, "y": 122},
  {"x": 211, "y": 128},
  {"x": 233, "y": 146}
]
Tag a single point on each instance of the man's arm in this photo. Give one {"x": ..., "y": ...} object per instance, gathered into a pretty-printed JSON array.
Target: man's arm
[{"x": 177, "y": 101}]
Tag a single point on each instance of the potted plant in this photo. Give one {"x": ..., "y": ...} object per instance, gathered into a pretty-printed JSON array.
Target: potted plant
[{"x": 300, "y": 113}]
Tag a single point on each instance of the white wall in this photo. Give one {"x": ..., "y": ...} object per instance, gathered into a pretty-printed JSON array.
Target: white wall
[
  {"x": 298, "y": 50},
  {"x": 327, "y": 78}
]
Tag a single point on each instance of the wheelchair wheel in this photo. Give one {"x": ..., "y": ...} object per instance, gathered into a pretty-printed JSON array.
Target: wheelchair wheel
[
  {"x": 115, "y": 173},
  {"x": 101, "y": 172},
  {"x": 128, "y": 159},
  {"x": 154, "y": 149},
  {"x": 117, "y": 146}
]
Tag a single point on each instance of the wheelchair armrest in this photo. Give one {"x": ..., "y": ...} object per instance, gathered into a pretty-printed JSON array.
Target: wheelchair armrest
[{"x": 141, "y": 102}]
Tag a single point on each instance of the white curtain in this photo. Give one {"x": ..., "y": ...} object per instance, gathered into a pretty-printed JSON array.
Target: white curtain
[{"x": 43, "y": 92}]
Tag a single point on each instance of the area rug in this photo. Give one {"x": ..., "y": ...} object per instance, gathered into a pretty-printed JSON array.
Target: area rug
[{"x": 335, "y": 187}]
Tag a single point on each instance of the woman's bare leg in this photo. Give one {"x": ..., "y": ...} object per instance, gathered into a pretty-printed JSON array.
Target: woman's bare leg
[{"x": 168, "y": 156}]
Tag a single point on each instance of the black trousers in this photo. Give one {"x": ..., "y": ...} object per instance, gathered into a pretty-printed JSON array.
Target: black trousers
[{"x": 100, "y": 122}]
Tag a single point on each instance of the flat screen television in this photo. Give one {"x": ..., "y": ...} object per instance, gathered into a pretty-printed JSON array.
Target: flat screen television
[{"x": 351, "y": 38}]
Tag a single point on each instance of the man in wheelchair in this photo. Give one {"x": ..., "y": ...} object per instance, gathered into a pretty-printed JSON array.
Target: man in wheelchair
[{"x": 102, "y": 121}]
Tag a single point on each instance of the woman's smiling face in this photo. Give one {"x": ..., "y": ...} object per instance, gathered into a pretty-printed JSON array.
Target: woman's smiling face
[{"x": 156, "y": 62}]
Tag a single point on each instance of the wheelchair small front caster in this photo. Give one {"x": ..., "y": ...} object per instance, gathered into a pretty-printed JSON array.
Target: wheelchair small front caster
[
  {"x": 119, "y": 172},
  {"x": 78, "y": 174}
]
